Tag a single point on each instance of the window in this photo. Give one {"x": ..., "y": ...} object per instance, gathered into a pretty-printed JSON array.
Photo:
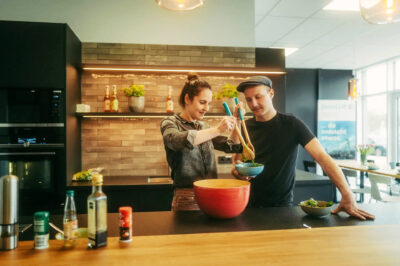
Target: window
[
  {"x": 379, "y": 103},
  {"x": 375, "y": 79},
  {"x": 375, "y": 126},
  {"x": 397, "y": 75}
]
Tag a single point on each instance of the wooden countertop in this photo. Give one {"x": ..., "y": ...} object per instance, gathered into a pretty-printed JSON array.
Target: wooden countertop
[
  {"x": 350, "y": 245},
  {"x": 355, "y": 165}
]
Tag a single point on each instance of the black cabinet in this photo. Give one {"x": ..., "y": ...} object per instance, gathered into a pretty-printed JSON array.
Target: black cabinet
[
  {"x": 310, "y": 185},
  {"x": 33, "y": 54},
  {"x": 38, "y": 56},
  {"x": 140, "y": 198}
]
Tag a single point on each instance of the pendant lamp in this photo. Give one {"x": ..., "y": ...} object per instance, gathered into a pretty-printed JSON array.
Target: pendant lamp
[
  {"x": 180, "y": 5},
  {"x": 352, "y": 89},
  {"x": 380, "y": 11}
]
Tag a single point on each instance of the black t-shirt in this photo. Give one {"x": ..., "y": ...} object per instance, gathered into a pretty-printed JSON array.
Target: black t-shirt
[{"x": 276, "y": 144}]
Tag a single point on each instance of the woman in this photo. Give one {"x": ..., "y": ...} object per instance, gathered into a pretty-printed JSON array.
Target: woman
[{"x": 189, "y": 143}]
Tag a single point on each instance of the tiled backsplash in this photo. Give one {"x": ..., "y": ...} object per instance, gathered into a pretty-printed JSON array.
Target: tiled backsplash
[
  {"x": 125, "y": 146},
  {"x": 167, "y": 55}
]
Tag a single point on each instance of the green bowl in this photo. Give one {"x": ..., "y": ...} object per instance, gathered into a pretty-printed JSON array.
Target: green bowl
[{"x": 316, "y": 211}]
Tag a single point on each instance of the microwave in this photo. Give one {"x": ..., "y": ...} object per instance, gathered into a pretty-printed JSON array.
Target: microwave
[{"x": 34, "y": 106}]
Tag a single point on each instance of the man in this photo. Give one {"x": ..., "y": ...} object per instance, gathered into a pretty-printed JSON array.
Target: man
[{"x": 275, "y": 137}]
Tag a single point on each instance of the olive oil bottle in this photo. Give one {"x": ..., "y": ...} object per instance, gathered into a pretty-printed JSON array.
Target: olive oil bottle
[{"x": 97, "y": 214}]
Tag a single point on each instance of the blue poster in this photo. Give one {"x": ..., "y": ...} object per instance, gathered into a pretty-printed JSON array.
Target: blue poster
[
  {"x": 338, "y": 138},
  {"x": 337, "y": 128}
]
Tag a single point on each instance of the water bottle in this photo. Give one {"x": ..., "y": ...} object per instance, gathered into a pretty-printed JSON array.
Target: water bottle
[{"x": 70, "y": 221}]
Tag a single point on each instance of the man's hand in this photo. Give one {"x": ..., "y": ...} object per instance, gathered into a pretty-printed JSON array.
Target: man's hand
[
  {"x": 236, "y": 174},
  {"x": 348, "y": 205},
  {"x": 236, "y": 113}
]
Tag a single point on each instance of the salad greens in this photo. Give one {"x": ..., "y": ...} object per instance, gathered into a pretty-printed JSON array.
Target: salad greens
[
  {"x": 314, "y": 203},
  {"x": 253, "y": 164}
]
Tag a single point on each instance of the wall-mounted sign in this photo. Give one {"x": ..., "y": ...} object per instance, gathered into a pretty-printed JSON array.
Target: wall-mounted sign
[{"x": 337, "y": 127}]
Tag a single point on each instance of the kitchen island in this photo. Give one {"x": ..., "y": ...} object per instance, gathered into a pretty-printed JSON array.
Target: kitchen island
[{"x": 279, "y": 236}]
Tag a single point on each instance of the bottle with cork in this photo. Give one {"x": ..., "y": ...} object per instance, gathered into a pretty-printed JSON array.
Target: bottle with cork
[
  {"x": 107, "y": 101},
  {"x": 170, "y": 103},
  {"x": 114, "y": 100}
]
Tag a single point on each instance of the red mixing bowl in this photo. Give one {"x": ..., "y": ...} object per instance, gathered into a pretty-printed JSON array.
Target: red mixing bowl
[{"x": 222, "y": 198}]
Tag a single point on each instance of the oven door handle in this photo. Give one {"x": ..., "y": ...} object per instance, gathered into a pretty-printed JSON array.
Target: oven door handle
[{"x": 26, "y": 153}]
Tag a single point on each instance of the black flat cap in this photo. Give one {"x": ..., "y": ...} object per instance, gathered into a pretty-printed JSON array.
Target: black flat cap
[{"x": 254, "y": 81}]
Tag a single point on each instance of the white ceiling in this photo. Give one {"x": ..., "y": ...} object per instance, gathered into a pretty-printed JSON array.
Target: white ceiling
[{"x": 326, "y": 39}]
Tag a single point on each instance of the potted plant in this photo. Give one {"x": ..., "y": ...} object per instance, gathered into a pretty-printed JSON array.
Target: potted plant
[
  {"x": 364, "y": 150},
  {"x": 135, "y": 95},
  {"x": 226, "y": 94}
]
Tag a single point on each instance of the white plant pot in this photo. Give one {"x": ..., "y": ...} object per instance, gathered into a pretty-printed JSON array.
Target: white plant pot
[{"x": 136, "y": 104}]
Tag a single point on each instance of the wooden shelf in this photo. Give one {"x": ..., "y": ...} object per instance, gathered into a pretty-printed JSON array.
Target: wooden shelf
[{"x": 142, "y": 115}]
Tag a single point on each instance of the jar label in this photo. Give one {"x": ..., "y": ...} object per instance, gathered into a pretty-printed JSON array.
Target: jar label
[{"x": 71, "y": 230}]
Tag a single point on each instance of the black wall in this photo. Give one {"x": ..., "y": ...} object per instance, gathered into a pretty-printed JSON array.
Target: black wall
[
  {"x": 332, "y": 84},
  {"x": 304, "y": 87},
  {"x": 274, "y": 60}
]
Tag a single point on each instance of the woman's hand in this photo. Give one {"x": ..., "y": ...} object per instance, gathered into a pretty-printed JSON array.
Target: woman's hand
[{"x": 227, "y": 124}]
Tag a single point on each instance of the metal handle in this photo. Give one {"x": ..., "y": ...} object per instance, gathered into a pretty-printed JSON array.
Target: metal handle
[
  {"x": 27, "y": 153},
  {"x": 239, "y": 110},
  {"x": 31, "y": 124},
  {"x": 40, "y": 145},
  {"x": 24, "y": 227},
  {"x": 56, "y": 228}
]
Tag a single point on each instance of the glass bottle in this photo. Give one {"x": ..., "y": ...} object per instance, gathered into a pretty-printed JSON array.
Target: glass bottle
[
  {"x": 170, "y": 103},
  {"x": 97, "y": 214},
  {"x": 107, "y": 101},
  {"x": 114, "y": 100},
  {"x": 70, "y": 221}
]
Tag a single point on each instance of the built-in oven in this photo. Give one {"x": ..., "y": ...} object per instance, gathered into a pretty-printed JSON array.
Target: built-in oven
[
  {"x": 36, "y": 154},
  {"x": 35, "y": 167},
  {"x": 33, "y": 106}
]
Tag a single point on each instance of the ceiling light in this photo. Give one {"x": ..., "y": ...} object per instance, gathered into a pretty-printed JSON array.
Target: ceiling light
[
  {"x": 288, "y": 51},
  {"x": 343, "y": 5},
  {"x": 180, "y": 5},
  {"x": 352, "y": 89},
  {"x": 380, "y": 11}
]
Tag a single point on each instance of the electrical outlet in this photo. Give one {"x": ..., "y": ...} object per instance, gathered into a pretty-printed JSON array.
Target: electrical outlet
[{"x": 224, "y": 159}]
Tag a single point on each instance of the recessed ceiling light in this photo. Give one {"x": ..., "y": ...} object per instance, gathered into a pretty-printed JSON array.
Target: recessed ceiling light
[
  {"x": 343, "y": 5},
  {"x": 180, "y": 5},
  {"x": 288, "y": 51}
]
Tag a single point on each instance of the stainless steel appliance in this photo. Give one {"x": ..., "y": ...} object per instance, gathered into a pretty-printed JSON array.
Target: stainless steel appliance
[{"x": 8, "y": 212}]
